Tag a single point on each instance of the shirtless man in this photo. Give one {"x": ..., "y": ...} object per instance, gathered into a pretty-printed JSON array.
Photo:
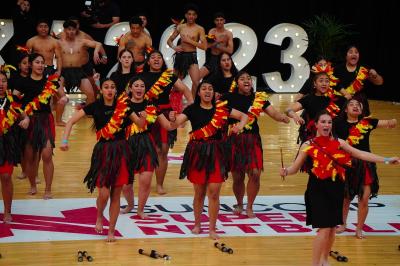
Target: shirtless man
[
  {"x": 49, "y": 47},
  {"x": 87, "y": 65},
  {"x": 192, "y": 37},
  {"x": 223, "y": 43},
  {"x": 72, "y": 49},
  {"x": 136, "y": 41}
]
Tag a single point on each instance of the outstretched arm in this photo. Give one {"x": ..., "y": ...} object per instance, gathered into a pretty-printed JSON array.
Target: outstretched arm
[
  {"x": 291, "y": 112},
  {"x": 387, "y": 123},
  {"x": 367, "y": 156},
  {"x": 75, "y": 118}
]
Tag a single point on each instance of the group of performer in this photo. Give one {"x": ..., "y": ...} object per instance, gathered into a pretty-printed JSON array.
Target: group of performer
[{"x": 136, "y": 125}]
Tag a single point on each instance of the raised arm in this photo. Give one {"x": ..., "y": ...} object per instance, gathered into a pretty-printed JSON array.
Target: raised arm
[
  {"x": 277, "y": 116},
  {"x": 295, "y": 167},
  {"x": 171, "y": 38},
  {"x": 374, "y": 77},
  {"x": 181, "y": 87},
  {"x": 367, "y": 156},
  {"x": 67, "y": 131}
]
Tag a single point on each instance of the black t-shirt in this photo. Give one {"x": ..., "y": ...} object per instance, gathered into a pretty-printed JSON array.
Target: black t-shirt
[
  {"x": 15, "y": 81},
  {"x": 139, "y": 107},
  {"x": 121, "y": 80},
  {"x": 220, "y": 83},
  {"x": 150, "y": 78},
  {"x": 342, "y": 129},
  {"x": 313, "y": 104},
  {"x": 30, "y": 89},
  {"x": 102, "y": 114},
  {"x": 243, "y": 103},
  {"x": 200, "y": 117},
  {"x": 345, "y": 77}
]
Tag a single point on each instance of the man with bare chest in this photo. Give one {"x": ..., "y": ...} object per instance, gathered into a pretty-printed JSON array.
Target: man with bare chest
[
  {"x": 72, "y": 49},
  {"x": 220, "y": 40},
  {"x": 136, "y": 41},
  {"x": 47, "y": 46},
  {"x": 192, "y": 36}
]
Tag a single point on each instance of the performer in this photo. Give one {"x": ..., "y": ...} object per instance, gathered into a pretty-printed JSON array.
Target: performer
[
  {"x": 137, "y": 41},
  {"x": 37, "y": 91},
  {"x": 327, "y": 160},
  {"x": 323, "y": 98},
  {"x": 144, "y": 154},
  {"x": 204, "y": 163},
  {"x": 125, "y": 71},
  {"x": 220, "y": 40},
  {"x": 111, "y": 165},
  {"x": 159, "y": 82},
  {"x": 246, "y": 147},
  {"x": 322, "y": 65},
  {"x": 10, "y": 151},
  {"x": 223, "y": 79},
  {"x": 192, "y": 36},
  {"x": 352, "y": 76},
  {"x": 362, "y": 180}
]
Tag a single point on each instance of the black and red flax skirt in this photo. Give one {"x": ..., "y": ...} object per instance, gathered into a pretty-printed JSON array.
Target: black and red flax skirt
[
  {"x": 144, "y": 154},
  {"x": 204, "y": 162},
  {"x": 246, "y": 152},
  {"x": 41, "y": 130},
  {"x": 110, "y": 165}
]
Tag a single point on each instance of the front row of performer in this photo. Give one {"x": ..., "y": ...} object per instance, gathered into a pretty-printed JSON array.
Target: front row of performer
[{"x": 224, "y": 137}]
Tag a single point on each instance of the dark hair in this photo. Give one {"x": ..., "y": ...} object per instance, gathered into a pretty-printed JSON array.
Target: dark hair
[
  {"x": 43, "y": 20},
  {"x": 219, "y": 73},
  {"x": 146, "y": 67},
  {"x": 119, "y": 68},
  {"x": 191, "y": 6},
  {"x": 21, "y": 56},
  {"x": 314, "y": 77},
  {"x": 219, "y": 15},
  {"x": 73, "y": 18},
  {"x": 133, "y": 80},
  {"x": 70, "y": 23},
  {"x": 33, "y": 56},
  {"x": 197, "y": 99},
  {"x": 321, "y": 113},
  {"x": 136, "y": 20}
]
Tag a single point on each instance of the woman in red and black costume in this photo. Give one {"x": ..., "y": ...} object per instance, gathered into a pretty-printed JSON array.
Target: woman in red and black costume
[
  {"x": 245, "y": 148},
  {"x": 362, "y": 181},
  {"x": 37, "y": 91},
  {"x": 159, "y": 82},
  {"x": 204, "y": 162},
  {"x": 10, "y": 151},
  {"x": 323, "y": 98},
  {"x": 353, "y": 75},
  {"x": 125, "y": 70},
  {"x": 327, "y": 159},
  {"x": 140, "y": 139},
  {"x": 111, "y": 165}
]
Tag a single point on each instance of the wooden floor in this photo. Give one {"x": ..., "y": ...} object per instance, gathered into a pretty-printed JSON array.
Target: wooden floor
[{"x": 71, "y": 166}]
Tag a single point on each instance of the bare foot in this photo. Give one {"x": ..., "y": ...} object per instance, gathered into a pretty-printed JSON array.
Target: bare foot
[
  {"x": 142, "y": 215},
  {"x": 359, "y": 234},
  {"x": 213, "y": 235},
  {"x": 196, "y": 229},
  {"x": 7, "y": 219},
  {"x": 21, "y": 176},
  {"x": 60, "y": 124},
  {"x": 99, "y": 225},
  {"x": 160, "y": 190},
  {"x": 237, "y": 209},
  {"x": 47, "y": 195},
  {"x": 126, "y": 209},
  {"x": 250, "y": 213},
  {"x": 341, "y": 228},
  {"x": 32, "y": 191},
  {"x": 110, "y": 237}
]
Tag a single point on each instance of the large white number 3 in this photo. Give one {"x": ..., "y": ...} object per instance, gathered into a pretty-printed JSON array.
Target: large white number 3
[
  {"x": 6, "y": 32},
  {"x": 300, "y": 70}
]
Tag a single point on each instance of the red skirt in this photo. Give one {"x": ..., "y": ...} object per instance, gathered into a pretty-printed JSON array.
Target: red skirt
[
  {"x": 121, "y": 179},
  {"x": 6, "y": 168},
  {"x": 41, "y": 130},
  {"x": 200, "y": 176}
]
